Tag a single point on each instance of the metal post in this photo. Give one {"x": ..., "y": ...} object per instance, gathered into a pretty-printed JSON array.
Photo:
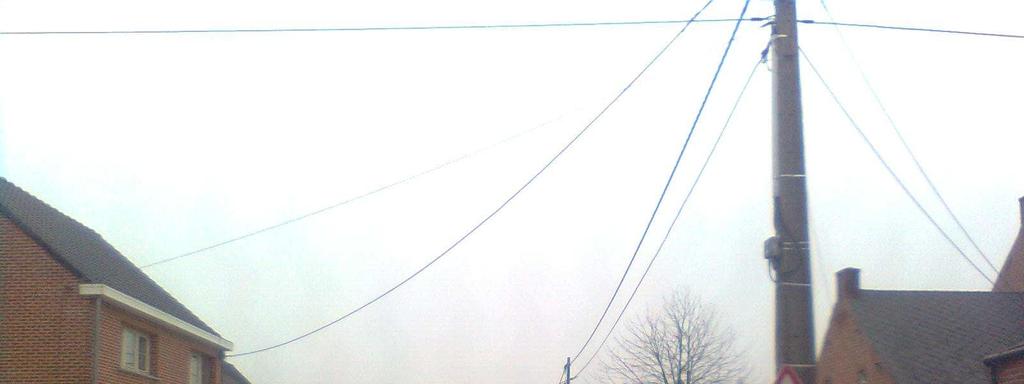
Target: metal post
[
  {"x": 794, "y": 321},
  {"x": 568, "y": 370}
]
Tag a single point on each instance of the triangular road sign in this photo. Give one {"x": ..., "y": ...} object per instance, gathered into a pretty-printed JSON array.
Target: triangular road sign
[{"x": 788, "y": 376}]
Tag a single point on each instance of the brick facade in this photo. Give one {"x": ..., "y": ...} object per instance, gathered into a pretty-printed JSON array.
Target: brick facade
[
  {"x": 1011, "y": 372},
  {"x": 847, "y": 353},
  {"x": 1011, "y": 276},
  {"x": 848, "y": 357},
  {"x": 928, "y": 336},
  {"x": 171, "y": 351},
  {"x": 1009, "y": 369},
  {"x": 46, "y": 326}
]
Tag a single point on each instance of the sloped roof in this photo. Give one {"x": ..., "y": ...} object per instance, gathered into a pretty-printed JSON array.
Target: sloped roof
[
  {"x": 85, "y": 252},
  {"x": 1011, "y": 276},
  {"x": 938, "y": 336},
  {"x": 996, "y": 359},
  {"x": 231, "y": 375}
]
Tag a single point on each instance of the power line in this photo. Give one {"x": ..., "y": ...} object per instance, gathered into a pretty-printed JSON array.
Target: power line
[
  {"x": 675, "y": 167},
  {"x": 660, "y": 199},
  {"x": 484, "y": 26},
  {"x": 679, "y": 212},
  {"x": 892, "y": 173},
  {"x": 349, "y": 200},
  {"x": 374, "y": 29},
  {"x": 435, "y": 259},
  {"x": 903, "y": 141},
  {"x": 482, "y": 222},
  {"x": 819, "y": 258},
  {"x": 915, "y": 29}
]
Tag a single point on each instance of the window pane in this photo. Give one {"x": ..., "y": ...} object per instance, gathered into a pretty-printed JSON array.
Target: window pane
[
  {"x": 128, "y": 348},
  {"x": 195, "y": 366},
  {"x": 143, "y": 353}
]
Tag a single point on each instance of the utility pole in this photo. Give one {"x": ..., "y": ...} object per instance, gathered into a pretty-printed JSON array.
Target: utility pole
[
  {"x": 789, "y": 250},
  {"x": 568, "y": 370}
]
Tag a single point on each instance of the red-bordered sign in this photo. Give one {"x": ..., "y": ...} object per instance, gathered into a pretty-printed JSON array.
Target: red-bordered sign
[{"x": 788, "y": 376}]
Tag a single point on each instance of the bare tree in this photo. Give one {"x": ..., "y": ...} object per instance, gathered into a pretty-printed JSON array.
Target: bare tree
[{"x": 681, "y": 343}]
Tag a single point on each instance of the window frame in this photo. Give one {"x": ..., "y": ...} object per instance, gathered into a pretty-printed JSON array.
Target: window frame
[
  {"x": 136, "y": 351},
  {"x": 197, "y": 368}
]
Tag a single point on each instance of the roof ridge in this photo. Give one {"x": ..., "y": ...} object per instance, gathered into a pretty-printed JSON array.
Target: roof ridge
[
  {"x": 48, "y": 205},
  {"x": 158, "y": 286},
  {"x": 938, "y": 336},
  {"x": 9, "y": 193}
]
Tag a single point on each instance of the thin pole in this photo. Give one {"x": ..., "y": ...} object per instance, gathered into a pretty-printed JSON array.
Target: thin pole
[
  {"x": 794, "y": 321},
  {"x": 568, "y": 370}
]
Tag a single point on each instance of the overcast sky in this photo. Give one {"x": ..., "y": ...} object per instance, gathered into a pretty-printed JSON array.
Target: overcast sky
[{"x": 166, "y": 143}]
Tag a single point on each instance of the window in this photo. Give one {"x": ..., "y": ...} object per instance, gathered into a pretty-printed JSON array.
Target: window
[
  {"x": 197, "y": 369},
  {"x": 135, "y": 350}
]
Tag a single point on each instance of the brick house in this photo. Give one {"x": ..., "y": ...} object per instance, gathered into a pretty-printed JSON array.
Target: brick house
[
  {"x": 879, "y": 336},
  {"x": 74, "y": 310}
]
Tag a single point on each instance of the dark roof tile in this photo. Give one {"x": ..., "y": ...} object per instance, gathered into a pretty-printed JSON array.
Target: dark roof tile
[
  {"x": 937, "y": 336},
  {"x": 231, "y": 375},
  {"x": 86, "y": 253}
]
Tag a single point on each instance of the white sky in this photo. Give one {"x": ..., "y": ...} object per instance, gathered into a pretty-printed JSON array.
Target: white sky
[{"x": 165, "y": 143}]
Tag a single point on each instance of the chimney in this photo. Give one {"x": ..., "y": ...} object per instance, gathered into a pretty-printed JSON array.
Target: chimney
[
  {"x": 1022, "y": 211},
  {"x": 848, "y": 283}
]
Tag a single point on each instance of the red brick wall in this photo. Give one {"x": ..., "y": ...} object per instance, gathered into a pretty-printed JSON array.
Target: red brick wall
[
  {"x": 170, "y": 356},
  {"x": 1011, "y": 276},
  {"x": 1010, "y": 372},
  {"x": 45, "y": 325},
  {"x": 847, "y": 352}
]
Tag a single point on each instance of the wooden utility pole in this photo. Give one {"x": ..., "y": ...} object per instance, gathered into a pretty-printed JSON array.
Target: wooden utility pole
[{"x": 789, "y": 249}]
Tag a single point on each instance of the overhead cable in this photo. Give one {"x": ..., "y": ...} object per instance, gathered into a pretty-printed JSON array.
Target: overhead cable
[
  {"x": 478, "y": 225},
  {"x": 372, "y": 29},
  {"x": 675, "y": 167},
  {"x": 914, "y": 29},
  {"x": 347, "y": 200},
  {"x": 648, "y": 226},
  {"x": 679, "y": 212},
  {"x": 889, "y": 169},
  {"x": 903, "y": 141},
  {"x": 479, "y": 26}
]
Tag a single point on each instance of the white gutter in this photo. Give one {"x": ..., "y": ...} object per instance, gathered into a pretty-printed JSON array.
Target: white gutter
[{"x": 147, "y": 311}]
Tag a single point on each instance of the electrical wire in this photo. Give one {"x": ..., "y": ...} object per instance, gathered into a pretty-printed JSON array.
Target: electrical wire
[
  {"x": 372, "y": 29},
  {"x": 482, "y": 222},
  {"x": 892, "y": 173},
  {"x": 903, "y": 141},
  {"x": 679, "y": 212},
  {"x": 819, "y": 257},
  {"x": 915, "y": 29},
  {"x": 484, "y": 26},
  {"x": 675, "y": 167},
  {"x": 656, "y": 207},
  {"x": 349, "y": 200}
]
